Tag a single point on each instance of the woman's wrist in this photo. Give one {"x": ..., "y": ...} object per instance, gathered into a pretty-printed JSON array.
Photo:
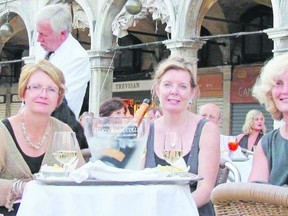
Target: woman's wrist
[{"x": 17, "y": 187}]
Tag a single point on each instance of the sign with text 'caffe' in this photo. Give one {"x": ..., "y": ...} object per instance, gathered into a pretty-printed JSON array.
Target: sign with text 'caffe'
[{"x": 243, "y": 80}]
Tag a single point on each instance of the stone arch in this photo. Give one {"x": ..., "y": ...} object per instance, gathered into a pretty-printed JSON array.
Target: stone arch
[
  {"x": 192, "y": 17},
  {"x": 91, "y": 16},
  {"x": 111, "y": 10},
  {"x": 102, "y": 30},
  {"x": 27, "y": 20}
]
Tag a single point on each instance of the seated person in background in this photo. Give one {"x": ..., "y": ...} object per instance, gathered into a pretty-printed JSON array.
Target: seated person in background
[
  {"x": 270, "y": 160},
  {"x": 175, "y": 84},
  {"x": 26, "y": 137},
  {"x": 212, "y": 112},
  {"x": 86, "y": 114},
  {"x": 113, "y": 107},
  {"x": 253, "y": 129},
  {"x": 154, "y": 113}
]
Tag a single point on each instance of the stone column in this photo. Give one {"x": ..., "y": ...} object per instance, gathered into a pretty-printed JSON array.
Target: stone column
[
  {"x": 280, "y": 38},
  {"x": 226, "y": 113},
  {"x": 188, "y": 49},
  {"x": 279, "y": 32},
  {"x": 101, "y": 79}
]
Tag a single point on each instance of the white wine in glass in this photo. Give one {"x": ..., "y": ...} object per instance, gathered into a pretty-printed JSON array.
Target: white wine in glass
[
  {"x": 173, "y": 149},
  {"x": 65, "y": 148}
]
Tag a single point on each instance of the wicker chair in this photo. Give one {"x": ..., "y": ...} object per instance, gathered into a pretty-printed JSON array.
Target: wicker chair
[{"x": 240, "y": 199}]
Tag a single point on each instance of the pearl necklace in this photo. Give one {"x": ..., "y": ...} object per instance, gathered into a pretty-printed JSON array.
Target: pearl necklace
[{"x": 27, "y": 138}]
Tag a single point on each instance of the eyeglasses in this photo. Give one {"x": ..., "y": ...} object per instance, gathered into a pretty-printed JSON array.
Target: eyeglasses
[{"x": 37, "y": 89}]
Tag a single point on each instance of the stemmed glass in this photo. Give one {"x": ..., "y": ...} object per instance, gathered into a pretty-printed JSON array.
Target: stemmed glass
[
  {"x": 173, "y": 149},
  {"x": 232, "y": 146},
  {"x": 64, "y": 148}
]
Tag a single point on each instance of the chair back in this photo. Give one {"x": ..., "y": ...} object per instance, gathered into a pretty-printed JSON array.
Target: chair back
[
  {"x": 225, "y": 168},
  {"x": 242, "y": 198}
]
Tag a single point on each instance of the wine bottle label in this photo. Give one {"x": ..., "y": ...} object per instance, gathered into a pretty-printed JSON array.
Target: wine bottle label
[
  {"x": 129, "y": 132},
  {"x": 114, "y": 153}
]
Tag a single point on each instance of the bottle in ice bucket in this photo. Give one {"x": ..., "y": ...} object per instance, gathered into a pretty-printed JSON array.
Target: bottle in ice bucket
[{"x": 126, "y": 140}]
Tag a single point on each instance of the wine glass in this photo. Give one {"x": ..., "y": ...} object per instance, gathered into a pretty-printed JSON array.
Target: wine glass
[
  {"x": 173, "y": 149},
  {"x": 64, "y": 148},
  {"x": 232, "y": 146}
]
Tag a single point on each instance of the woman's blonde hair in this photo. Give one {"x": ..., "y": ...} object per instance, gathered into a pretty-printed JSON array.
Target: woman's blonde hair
[
  {"x": 273, "y": 69},
  {"x": 249, "y": 121},
  {"x": 45, "y": 66},
  {"x": 178, "y": 63}
]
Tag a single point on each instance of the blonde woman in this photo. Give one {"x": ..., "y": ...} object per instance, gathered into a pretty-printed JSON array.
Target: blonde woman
[
  {"x": 270, "y": 160},
  {"x": 253, "y": 129},
  {"x": 175, "y": 85},
  {"x": 27, "y": 136}
]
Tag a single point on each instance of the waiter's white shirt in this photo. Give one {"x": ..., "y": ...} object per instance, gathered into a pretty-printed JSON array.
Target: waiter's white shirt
[{"x": 73, "y": 60}]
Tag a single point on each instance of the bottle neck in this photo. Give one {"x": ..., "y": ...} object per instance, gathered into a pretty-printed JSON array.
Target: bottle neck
[{"x": 140, "y": 113}]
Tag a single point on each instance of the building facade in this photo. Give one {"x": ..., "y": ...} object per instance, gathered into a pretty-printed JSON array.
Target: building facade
[{"x": 227, "y": 40}]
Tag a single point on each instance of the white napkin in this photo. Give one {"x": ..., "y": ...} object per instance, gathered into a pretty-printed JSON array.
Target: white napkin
[
  {"x": 100, "y": 171},
  {"x": 181, "y": 164}
]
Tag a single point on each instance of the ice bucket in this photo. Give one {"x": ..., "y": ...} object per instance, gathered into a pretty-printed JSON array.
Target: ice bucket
[{"x": 117, "y": 141}]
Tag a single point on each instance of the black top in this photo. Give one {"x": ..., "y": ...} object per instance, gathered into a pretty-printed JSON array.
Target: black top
[
  {"x": 191, "y": 159},
  {"x": 34, "y": 163},
  {"x": 243, "y": 142}
]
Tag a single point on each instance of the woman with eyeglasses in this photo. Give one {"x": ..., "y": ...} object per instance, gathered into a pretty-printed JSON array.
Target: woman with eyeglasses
[{"x": 26, "y": 137}]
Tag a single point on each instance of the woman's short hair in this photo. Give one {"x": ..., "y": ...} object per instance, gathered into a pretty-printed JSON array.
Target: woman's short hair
[
  {"x": 249, "y": 121},
  {"x": 48, "y": 68},
  {"x": 108, "y": 106},
  {"x": 178, "y": 63},
  {"x": 262, "y": 90}
]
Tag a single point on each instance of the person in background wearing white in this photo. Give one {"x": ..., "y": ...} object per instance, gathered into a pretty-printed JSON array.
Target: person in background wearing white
[
  {"x": 270, "y": 160},
  {"x": 54, "y": 25},
  {"x": 175, "y": 85},
  {"x": 211, "y": 112}
]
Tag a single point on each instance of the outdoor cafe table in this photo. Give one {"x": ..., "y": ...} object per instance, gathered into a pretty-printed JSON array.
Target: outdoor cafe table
[
  {"x": 106, "y": 200},
  {"x": 244, "y": 167}
]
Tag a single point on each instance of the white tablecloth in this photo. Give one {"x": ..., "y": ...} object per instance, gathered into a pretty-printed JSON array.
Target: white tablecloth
[
  {"x": 129, "y": 200},
  {"x": 244, "y": 168}
]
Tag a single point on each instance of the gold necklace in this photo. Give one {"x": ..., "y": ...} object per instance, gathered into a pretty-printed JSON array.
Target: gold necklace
[{"x": 27, "y": 138}]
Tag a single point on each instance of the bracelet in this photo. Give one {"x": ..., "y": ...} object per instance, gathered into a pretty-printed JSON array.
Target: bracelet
[{"x": 17, "y": 187}]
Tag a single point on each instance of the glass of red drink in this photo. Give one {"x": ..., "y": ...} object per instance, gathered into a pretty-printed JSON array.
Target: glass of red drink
[{"x": 233, "y": 145}]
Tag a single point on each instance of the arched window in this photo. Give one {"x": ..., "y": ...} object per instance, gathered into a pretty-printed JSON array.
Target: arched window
[
  {"x": 258, "y": 47},
  {"x": 128, "y": 61}
]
